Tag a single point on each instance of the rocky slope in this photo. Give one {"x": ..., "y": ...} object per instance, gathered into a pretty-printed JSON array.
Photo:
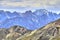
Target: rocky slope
[
  {"x": 49, "y": 32},
  {"x": 12, "y": 33}
]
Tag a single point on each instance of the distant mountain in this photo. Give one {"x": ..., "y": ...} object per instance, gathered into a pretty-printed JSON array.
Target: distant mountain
[{"x": 30, "y": 20}]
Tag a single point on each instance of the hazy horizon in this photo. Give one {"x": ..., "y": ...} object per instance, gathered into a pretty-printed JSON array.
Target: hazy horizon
[{"x": 24, "y": 5}]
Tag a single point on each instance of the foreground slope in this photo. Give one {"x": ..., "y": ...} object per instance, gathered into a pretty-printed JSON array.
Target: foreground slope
[
  {"x": 13, "y": 32},
  {"x": 48, "y": 32}
]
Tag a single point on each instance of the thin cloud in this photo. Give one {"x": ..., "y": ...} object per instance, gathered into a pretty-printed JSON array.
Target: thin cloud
[{"x": 29, "y": 3}]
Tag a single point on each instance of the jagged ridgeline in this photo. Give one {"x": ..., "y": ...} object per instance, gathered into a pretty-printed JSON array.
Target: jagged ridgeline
[
  {"x": 49, "y": 32},
  {"x": 30, "y": 20}
]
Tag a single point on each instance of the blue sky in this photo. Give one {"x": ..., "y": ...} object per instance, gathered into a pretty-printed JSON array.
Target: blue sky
[{"x": 23, "y": 5}]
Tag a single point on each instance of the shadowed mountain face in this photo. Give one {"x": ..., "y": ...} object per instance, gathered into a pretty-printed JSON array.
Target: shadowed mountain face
[
  {"x": 49, "y": 32},
  {"x": 30, "y": 20}
]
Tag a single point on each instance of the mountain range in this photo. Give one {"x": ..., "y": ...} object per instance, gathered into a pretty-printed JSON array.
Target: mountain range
[{"x": 30, "y": 20}]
